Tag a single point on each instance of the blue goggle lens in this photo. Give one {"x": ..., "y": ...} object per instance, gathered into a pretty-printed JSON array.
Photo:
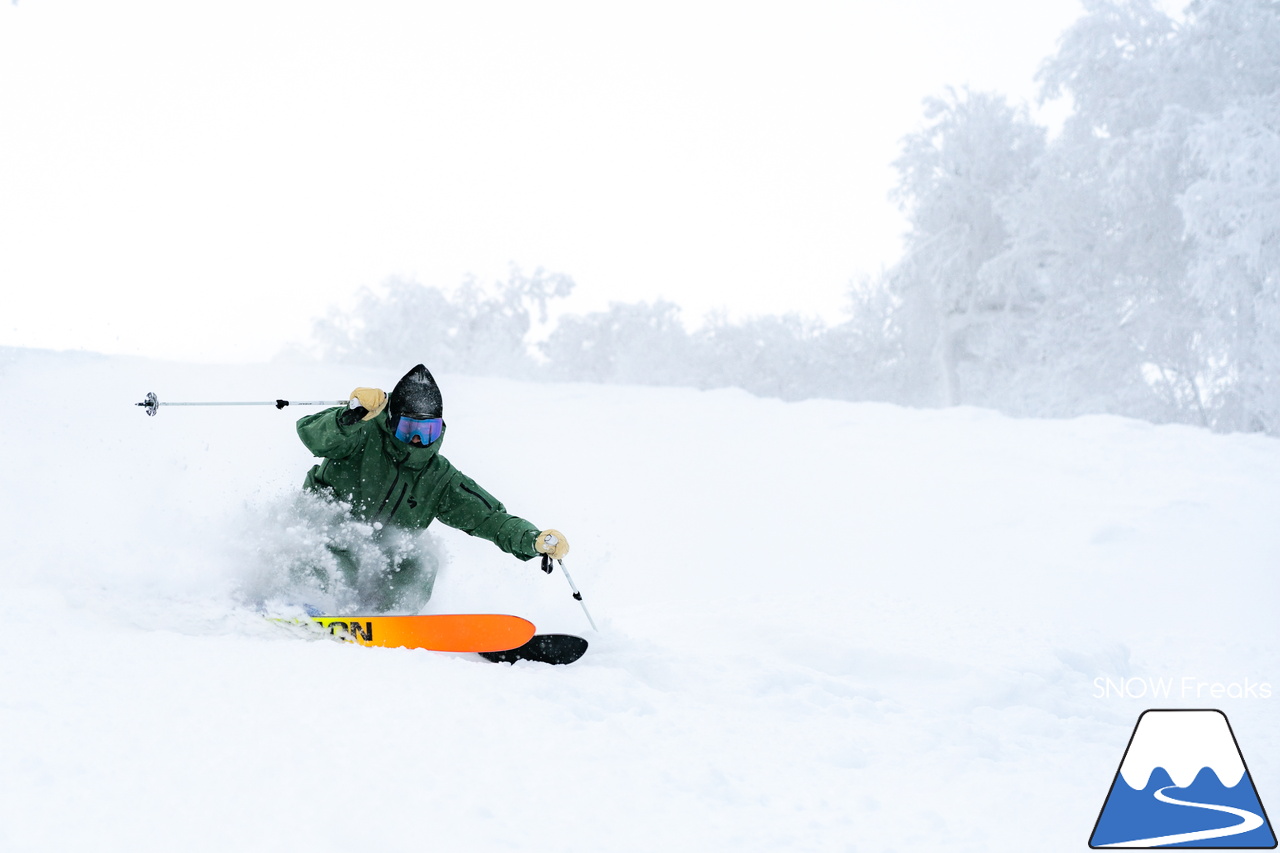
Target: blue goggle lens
[{"x": 426, "y": 429}]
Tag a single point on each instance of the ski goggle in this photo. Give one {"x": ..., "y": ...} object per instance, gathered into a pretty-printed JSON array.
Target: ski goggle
[{"x": 426, "y": 429}]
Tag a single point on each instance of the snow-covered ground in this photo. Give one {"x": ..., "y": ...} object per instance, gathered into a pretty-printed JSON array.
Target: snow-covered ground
[{"x": 824, "y": 626}]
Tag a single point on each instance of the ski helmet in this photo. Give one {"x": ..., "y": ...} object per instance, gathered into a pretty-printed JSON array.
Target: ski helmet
[{"x": 416, "y": 395}]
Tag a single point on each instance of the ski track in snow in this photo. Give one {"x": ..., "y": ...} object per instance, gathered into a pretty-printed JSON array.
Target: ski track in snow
[{"x": 877, "y": 630}]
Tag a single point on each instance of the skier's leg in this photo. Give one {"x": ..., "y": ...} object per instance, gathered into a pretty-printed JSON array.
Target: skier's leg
[
  {"x": 412, "y": 574},
  {"x": 348, "y": 569}
]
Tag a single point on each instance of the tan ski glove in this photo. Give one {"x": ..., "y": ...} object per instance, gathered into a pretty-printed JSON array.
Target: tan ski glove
[
  {"x": 372, "y": 400},
  {"x": 552, "y": 543}
]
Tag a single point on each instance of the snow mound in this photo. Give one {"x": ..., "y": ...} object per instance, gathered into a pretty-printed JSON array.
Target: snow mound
[{"x": 866, "y": 628}]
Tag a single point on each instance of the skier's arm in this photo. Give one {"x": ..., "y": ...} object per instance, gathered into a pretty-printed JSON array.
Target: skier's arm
[
  {"x": 326, "y": 434},
  {"x": 335, "y": 433},
  {"x": 472, "y": 510}
]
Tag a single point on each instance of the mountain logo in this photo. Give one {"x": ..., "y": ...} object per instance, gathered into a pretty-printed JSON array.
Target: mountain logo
[{"x": 1183, "y": 783}]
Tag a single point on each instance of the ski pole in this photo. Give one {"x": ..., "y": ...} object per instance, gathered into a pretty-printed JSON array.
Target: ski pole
[
  {"x": 152, "y": 403},
  {"x": 546, "y": 567},
  {"x": 578, "y": 596}
]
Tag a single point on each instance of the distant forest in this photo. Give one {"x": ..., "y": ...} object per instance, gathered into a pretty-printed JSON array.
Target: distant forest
[{"x": 1128, "y": 265}]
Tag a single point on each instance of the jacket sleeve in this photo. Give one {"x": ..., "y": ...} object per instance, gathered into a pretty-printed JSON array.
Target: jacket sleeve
[
  {"x": 472, "y": 510},
  {"x": 325, "y": 436}
]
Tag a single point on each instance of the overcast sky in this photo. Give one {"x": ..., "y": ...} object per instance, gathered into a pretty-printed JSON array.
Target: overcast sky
[{"x": 199, "y": 180}]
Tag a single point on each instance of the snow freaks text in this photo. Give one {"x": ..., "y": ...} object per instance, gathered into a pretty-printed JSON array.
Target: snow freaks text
[{"x": 1186, "y": 687}]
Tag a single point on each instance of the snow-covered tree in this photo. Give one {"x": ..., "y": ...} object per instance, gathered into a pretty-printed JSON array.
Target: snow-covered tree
[
  {"x": 472, "y": 330},
  {"x": 637, "y": 343},
  {"x": 1233, "y": 216},
  {"x": 1129, "y": 265},
  {"x": 1099, "y": 231},
  {"x": 771, "y": 356},
  {"x": 975, "y": 151}
]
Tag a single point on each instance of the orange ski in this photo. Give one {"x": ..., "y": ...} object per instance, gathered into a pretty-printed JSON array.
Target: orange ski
[{"x": 468, "y": 632}]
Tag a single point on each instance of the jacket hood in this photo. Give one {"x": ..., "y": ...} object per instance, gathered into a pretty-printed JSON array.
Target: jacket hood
[{"x": 416, "y": 394}]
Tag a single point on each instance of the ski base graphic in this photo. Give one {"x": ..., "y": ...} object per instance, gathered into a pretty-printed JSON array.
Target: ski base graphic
[{"x": 463, "y": 632}]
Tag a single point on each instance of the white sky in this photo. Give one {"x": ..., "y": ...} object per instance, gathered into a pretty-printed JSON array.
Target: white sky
[{"x": 200, "y": 180}]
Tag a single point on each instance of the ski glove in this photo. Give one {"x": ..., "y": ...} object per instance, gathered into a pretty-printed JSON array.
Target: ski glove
[
  {"x": 552, "y": 543},
  {"x": 372, "y": 400}
]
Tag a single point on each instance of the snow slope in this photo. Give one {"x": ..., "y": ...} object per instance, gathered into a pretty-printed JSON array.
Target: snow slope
[{"x": 824, "y": 626}]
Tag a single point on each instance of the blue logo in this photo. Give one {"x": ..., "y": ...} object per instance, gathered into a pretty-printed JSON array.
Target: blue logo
[{"x": 1183, "y": 783}]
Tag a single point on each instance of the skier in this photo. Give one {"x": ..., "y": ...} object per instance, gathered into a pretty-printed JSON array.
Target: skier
[{"x": 381, "y": 454}]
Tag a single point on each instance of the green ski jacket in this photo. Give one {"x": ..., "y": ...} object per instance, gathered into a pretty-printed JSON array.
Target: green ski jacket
[{"x": 387, "y": 481}]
